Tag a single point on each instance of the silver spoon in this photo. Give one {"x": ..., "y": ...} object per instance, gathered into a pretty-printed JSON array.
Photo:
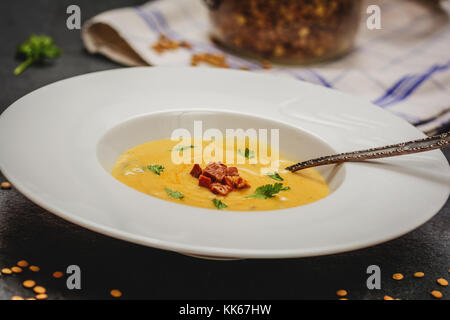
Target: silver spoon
[{"x": 422, "y": 145}]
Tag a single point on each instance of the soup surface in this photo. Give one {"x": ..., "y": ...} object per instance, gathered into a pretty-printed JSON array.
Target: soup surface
[{"x": 149, "y": 168}]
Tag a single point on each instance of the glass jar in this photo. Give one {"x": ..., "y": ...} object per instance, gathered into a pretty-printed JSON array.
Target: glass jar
[{"x": 286, "y": 31}]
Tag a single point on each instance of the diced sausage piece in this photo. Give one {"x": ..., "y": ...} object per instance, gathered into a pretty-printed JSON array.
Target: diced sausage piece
[
  {"x": 196, "y": 171},
  {"x": 242, "y": 184},
  {"x": 236, "y": 182},
  {"x": 204, "y": 181},
  {"x": 232, "y": 171},
  {"x": 229, "y": 181},
  {"x": 221, "y": 189},
  {"x": 216, "y": 171}
]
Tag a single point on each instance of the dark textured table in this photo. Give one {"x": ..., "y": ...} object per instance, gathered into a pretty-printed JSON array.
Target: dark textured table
[{"x": 30, "y": 232}]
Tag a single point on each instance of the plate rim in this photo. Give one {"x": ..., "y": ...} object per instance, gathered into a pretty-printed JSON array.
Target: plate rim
[{"x": 202, "y": 250}]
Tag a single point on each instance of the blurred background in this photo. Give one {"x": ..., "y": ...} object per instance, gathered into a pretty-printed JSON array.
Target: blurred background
[{"x": 393, "y": 53}]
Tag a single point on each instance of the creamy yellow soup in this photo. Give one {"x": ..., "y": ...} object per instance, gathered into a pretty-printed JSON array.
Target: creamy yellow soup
[{"x": 131, "y": 168}]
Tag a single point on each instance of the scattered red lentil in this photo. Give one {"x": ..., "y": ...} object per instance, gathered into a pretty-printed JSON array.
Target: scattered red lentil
[
  {"x": 16, "y": 269},
  {"x": 214, "y": 59},
  {"x": 442, "y": 282},
  {"x": 116, "y": 293},
  {"x": 397, "y": 276},
  {"x": 35, "y": 268},
  {"x": 6, "y": 271},
  {"x": 23, "y": 263},
  {"x": 437, "y": 294},
  {"x": 266, "y": 64},
  {"x": 39, "y": 289},
  {"x": 29, "y": 283},
  {"x": 341, "y": 293},
  {"x": 5, "y": 185},
  {"x": 164, "y": 43}
]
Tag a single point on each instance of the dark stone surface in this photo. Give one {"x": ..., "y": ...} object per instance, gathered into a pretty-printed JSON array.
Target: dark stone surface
[{"x": 31, "y": 233}]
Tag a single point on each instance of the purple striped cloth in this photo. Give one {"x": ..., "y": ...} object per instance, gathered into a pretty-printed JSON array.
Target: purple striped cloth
[{"x": 404, "y": 67}]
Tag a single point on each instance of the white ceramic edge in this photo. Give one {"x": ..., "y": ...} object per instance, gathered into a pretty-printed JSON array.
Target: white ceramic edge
[{"x": 206, "y": 252}]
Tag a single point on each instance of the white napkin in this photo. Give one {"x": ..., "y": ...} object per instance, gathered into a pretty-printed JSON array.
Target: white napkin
[{"x": 403, "y": 67}]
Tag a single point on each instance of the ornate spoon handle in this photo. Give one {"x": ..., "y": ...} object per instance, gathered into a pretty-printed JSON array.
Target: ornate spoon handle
[{"x": 430, "y": 143}]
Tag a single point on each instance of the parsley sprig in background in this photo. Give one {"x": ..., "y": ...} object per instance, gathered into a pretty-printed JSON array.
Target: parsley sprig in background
[{"x": 36, "y": 49}]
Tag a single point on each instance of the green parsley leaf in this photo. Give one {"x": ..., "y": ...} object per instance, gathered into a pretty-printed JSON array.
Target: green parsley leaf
[
  {"x": 275, "y": 176},
  {"x": 268, "y": 191},
  {"x": 174, "y": 194},
  {"x": 219, "y": 204},
  {"x": 248, "y": 153},
  {"x": 156, "y": 168},
  {"x": 37, "y": 48},
  {"x": 182, "y": 148}
]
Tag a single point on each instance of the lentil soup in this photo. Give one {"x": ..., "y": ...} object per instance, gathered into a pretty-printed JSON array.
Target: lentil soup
[{"x": 149, "y": 168}]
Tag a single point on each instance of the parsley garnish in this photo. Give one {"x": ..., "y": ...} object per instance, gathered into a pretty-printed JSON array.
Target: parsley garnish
[
  {"x": 275, "y": 176},
  {"x": 182, "y": 148},
  {"x": 156, "y": 168},
  {"x": 248, "y": 153},
  {"x": 268, "y": 191},
  {"x": 37, "y": 48},
  {"x": 174, "y": 194},
  {"x": 219, "y": 204}
]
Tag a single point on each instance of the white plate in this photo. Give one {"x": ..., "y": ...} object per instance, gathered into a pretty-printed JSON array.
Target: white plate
[{"x": 56, "y": 143}]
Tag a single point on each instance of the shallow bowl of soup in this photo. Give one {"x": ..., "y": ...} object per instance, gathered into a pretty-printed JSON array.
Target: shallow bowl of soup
[
  {"x": 193, "y": 161},
  {"x": 160, "y": 166}
]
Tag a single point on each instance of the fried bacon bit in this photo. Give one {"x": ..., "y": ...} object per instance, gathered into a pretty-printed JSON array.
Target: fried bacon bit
[
  {"x": 214, "y": 59},
  {"x": 204, "y": 181},
  {"x": 242, "y": 184},
  {"x": 221, "y": 189},
  {"x": 232, "y": 171},
  {"x": 236, "y": 182},
  {"x": 216, "y": 171},
  {"x": 229, "y": 180},
  {"x": 219, "y": 178},
  {"x": 164, "y": 43},
  {"x": 196, "y": 171}
]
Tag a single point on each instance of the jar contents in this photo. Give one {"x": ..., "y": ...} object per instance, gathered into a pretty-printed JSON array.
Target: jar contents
[{"x": 288, "y": 31}]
